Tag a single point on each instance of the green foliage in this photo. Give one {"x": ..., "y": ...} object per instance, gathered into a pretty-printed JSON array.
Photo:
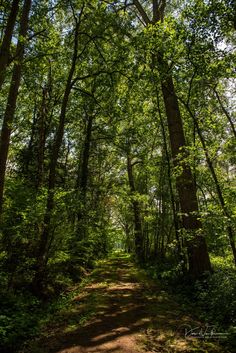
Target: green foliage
[
  {"x": 218, "y": 292},
  {"x": 19, "y": 319},
  {"x": 213, "y": 296},
  {"x": 116, "y": 86}
]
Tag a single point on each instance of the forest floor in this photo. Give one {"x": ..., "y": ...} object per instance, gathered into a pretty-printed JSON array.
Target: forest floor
[{"x": 120, "y": 310}]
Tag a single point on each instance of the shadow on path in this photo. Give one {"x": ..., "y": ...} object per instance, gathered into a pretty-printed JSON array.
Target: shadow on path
[
  {"x": 120, "y": 314},
  {"x": 123, "y": 314}
]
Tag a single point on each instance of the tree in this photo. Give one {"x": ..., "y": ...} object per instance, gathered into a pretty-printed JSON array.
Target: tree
[
  {"x": 12, "y": 97},
  {"x": 44, "y": 240},
  {"x": 198, "y": 256},
  {"x": 7, "y": 39}
]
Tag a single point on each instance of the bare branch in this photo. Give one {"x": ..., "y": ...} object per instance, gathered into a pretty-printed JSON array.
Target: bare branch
[
  {"x": 142, "y": 12},
  {"x": 225, "y": 111},
  {"x": 190, "y": 87}
]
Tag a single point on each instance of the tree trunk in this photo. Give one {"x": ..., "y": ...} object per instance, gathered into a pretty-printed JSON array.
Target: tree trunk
[
  {"x": 138, "y": 233},
  {"x": 43, "y": 114},
  {"x": 29, "y": 153},
  {"x": 217, "y": 184},
  {"x": 6, "y": 43},
  {"x": 83, "y": 178},
  {"x": 172, "y": 197},
  {"x": 45, "y": 235},
  {"x": 12, "y": 98},
  {"x": 82, "y": 182},
  {"x": 43, "y": 123},
  {"x": 198, "y": 256}
]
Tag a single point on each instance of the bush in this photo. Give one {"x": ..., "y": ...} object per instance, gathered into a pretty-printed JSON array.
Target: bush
[
  {"x": 18, "y": 319},
  {"x": 217, "y": 296}
]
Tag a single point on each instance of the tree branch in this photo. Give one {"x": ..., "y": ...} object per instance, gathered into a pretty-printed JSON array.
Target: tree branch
[
  {"x": 225, "y": 111},
  {"x": 142, "y": 12}
]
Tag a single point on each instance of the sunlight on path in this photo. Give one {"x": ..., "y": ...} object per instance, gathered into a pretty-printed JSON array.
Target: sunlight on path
[
  {"x": 124, "y": 312},
  {"x": 120, "y": 323}
]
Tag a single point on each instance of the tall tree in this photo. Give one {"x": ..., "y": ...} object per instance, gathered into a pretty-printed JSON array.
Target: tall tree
[
  {"x": 138, "y": 232},
  {"x": 45, "y": 235},
  {"x": 12, "y": 97},
  {"x": 198, "y": 256},
  {"x": 83, "y": 174},
  {"x": 7, "y": 38}
]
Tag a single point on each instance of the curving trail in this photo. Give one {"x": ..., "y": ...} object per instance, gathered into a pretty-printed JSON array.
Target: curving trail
[{"x": 121, "y": 311}]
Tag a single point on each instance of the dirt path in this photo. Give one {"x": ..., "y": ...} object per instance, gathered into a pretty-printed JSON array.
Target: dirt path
[{"x": 120, "y": 311}]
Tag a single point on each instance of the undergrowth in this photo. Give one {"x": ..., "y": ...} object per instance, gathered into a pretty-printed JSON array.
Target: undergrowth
[
  {"x": 23, "y": 315},
  {"x": 212, "y": 299}
]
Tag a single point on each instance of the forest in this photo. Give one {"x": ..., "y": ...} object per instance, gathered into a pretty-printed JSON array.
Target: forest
[{"x": 117, "y": 175}]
